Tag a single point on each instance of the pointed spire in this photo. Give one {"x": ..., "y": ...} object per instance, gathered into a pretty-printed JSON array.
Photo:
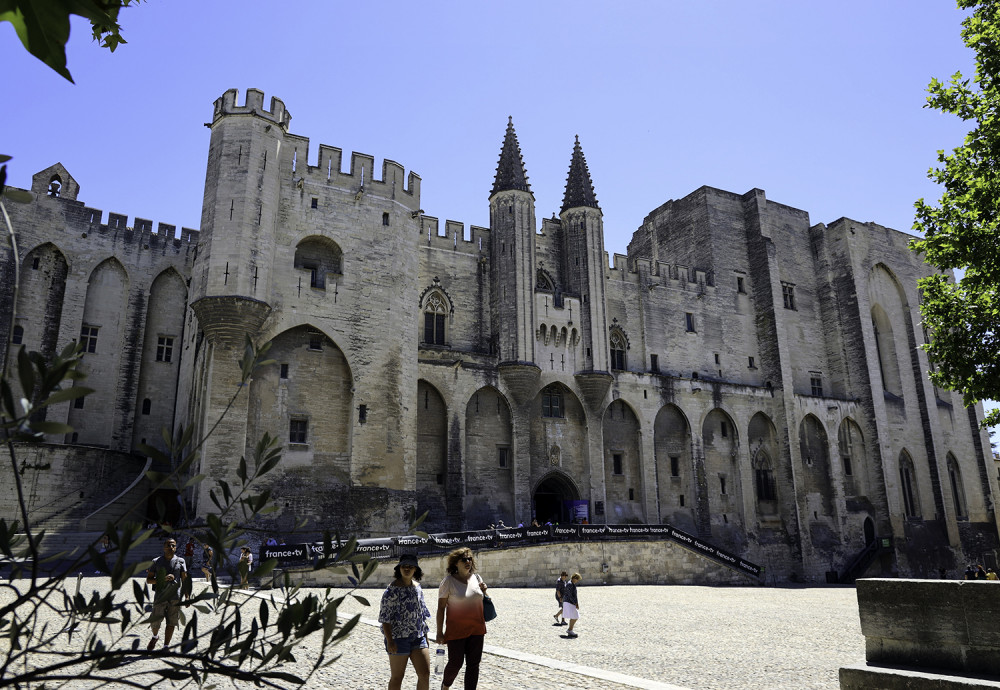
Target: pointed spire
[
  {"x": 579, "y": 188},
  {"x": 510, "y": 169}
]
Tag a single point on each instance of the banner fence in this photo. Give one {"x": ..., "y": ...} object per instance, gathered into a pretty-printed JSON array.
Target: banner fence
[{"x": 437, "y": 544}]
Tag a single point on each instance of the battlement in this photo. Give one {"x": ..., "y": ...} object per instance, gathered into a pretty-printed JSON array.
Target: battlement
[
  {"x": 453, "y": 237},
  {"x": 359, "y": 179},
  {"x": 254, "y": 105},
  {"x": 88, "y": 220},
  {"x": 651, "y": 274}
]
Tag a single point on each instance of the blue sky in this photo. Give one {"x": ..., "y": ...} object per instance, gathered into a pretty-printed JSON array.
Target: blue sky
[{"x": 818, "y": 103}]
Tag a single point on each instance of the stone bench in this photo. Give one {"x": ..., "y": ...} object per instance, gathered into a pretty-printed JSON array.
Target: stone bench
[{"x": 921, "y": 634}]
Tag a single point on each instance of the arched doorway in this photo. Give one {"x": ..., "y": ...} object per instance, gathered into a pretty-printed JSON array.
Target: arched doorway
[
  {"x": 869, "y": 531},
  {"x": 553, "y": 500}
]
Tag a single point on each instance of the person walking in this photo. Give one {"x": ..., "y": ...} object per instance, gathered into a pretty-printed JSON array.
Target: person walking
[
  {"x": 207, "y": 564},
  {"x": 560, "y": 588},
  {"x": 167, "y": 574},
  {"x": 571, "y": 604},
  {"x": 244, "y": 566},
  {"x": 189, "y": 554},
  {"x": 460, "y": 621},
  {"x": 403, "y": 615}
]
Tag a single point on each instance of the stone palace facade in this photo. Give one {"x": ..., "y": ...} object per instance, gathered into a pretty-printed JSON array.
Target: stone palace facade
[{"x": 742, "y": 374}]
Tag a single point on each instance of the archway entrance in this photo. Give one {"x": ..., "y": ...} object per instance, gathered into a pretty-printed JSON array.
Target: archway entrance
[
  {"x": 552, "y": 500},
  {"x": 869, "y": 531}
]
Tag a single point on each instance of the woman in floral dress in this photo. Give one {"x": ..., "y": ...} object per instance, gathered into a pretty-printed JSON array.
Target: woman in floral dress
[{"x": 403, "y": 616}]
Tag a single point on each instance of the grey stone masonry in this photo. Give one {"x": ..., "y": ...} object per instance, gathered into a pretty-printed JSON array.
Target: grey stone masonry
[
  {"x": 935, "y": 627},
  {"x": 743, "y": 373}
]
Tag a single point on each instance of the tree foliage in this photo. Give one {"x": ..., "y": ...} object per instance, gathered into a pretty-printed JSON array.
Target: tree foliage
[
  {"x": 43, "y": 25},
  {"x": 51, "y": 633},
  {"x": 963, "y": 231}
]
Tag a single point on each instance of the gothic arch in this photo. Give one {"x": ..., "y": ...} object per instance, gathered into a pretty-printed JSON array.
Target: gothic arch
[
  {"x": 550, "y": 495},
  {"x": 102, "y": 337},
  {"x": 432, "y": 454},
  {"x": 723, "y": 481},
  {"x": 623, "y": 479},
  {"x": 305, "y": 399},
  {"x": 675, "y": 474},
  {"x": 489, "y": 458},
  {"x": 43, "y": 272},
  {"x": 161, "y": 353},
  {"x": 815, "y": 482},
  {"x": 889, "y": 312},
  {"x": 558, "y": 434},
  {"x": 436, "y": 307},
  {"x": 908, "y": 488},
  {"x": 544, "y": 282},
  {"x": 764, "y": 464},
  {"x": 957, "y": 487},
  {"x": 854, "y": 459},
  {"x": 885, "y": 350},
  {"x": 619, "y": 346}
]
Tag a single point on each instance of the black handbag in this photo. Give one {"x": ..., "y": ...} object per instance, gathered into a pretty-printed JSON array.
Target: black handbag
[{"x": 489, "y": 610}]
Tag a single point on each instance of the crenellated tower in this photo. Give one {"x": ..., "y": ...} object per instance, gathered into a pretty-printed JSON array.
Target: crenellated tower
[
  {"x": 231, "y": 277},
  {"x": 584, "y": 264},
  {"x": 232, "y": 274},
  {"x": 512, "y": 251}
]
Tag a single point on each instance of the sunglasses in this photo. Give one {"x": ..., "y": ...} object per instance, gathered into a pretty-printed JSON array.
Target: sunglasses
[{"x": 467, "y": 559}]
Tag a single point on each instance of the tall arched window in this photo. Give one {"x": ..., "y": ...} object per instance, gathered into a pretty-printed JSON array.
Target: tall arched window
[
  {"x": 618, "y": 347},
  {"x": 435, "y": 313},
  {"x": 957, "y": 488},
  {"x": 907, "y": 485},
  {"x": 885, "y": 348},
  {"x": 767, "y": 489}
]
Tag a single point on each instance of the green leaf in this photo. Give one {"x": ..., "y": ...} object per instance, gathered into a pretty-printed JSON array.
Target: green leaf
[
  {"x": 50, "y": 427},
  {"x": 25, "y": 372},
  {"x": 68, "y": 394},
  {"x": 43, "y": 27}
]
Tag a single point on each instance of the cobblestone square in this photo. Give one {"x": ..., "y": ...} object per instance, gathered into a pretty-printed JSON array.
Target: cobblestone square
[{"x": 659, "y": 636}]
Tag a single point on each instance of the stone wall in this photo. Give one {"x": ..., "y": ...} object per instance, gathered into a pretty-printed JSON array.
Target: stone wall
[
  {"x": 627, "y": 563},
  {"x": 63, "y": 484},
  {"x": 927, "y": 634}
]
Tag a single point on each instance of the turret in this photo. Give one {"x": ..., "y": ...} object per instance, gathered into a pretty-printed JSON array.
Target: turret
[
  {"x": 512, "y": 251},
  {"x": 583, "y": 232},
  {"x": 232, "y": 274}
]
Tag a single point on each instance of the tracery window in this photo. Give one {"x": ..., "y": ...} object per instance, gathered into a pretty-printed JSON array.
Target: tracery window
[
  {"x": 435, "y": 311},
  {"x": 618, "y": 347}
]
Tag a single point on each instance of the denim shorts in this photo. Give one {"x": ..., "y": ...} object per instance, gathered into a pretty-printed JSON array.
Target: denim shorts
[{"x": 407, "y": 645}]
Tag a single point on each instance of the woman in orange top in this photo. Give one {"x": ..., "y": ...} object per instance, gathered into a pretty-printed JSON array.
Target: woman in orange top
[{"x": 460, "y": 621}]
